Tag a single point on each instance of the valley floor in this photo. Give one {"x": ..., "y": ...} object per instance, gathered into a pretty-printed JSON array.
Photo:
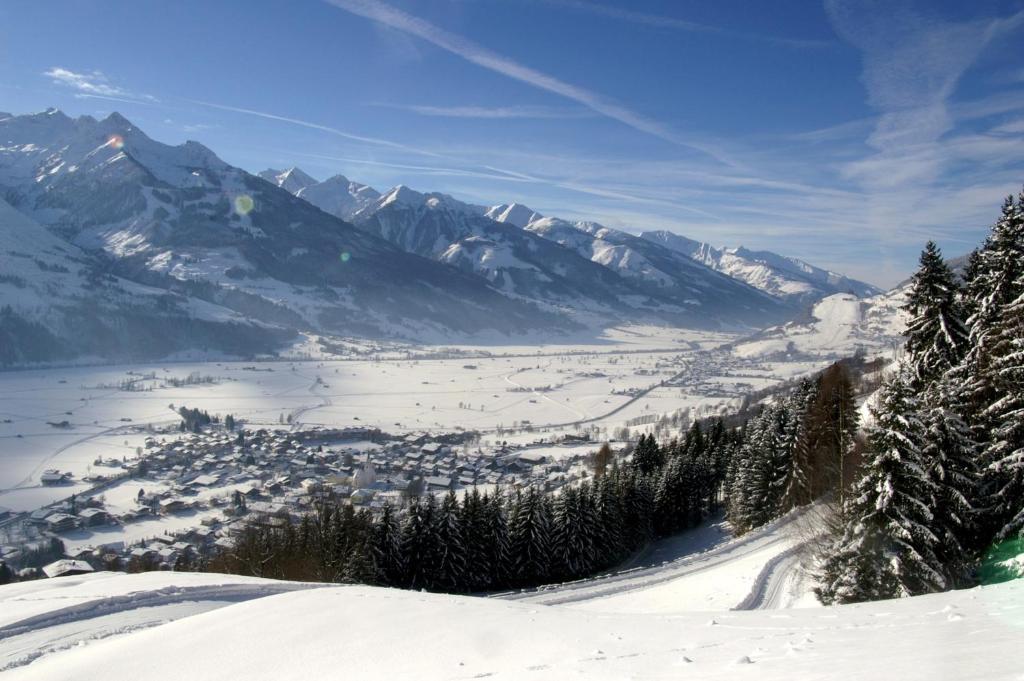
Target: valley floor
[{"x": 64, "y": 418}]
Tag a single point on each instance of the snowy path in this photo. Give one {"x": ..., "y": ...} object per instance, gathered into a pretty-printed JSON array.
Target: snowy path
[
  {"x": 770, "y": 589},
  {"x": 32, "y": 627},
  {"x": 717, "y": 560}
]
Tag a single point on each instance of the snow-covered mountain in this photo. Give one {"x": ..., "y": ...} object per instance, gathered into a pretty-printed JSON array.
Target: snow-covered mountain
[
  {"x": 838, "y": 326},
  {"x": 513, "y": 213},
  {"x": 581, "y": 273},
  {"x": 292, "y": 180},
  {"x": 779, "y": 275},
  {"x": 336, "y": 195},
  {"x": 60, "y": 302},
  {"x": 180, "y": 219}
]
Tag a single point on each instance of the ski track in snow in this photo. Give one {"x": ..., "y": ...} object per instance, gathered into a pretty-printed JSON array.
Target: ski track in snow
[
  {"x": 26, "y": 640},
  {"x": 769, "y": 587},
  {"x": 764, "y": 593}
]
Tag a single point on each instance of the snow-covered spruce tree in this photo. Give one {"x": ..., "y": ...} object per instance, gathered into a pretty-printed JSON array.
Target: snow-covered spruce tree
[
  {"x": 1004, "y": 453},
  {"x": 887, "y": 548},
  {"x": 451, "y": 549},
  {"x": 530, "y": 538},
  {"x": 609, "y": 543},
  {"x": 387, "y": 547},
  {"x": 796, "y": 442},
  {"x": 495, "y": 515},
  {"x": 672, "y": 495},
  {"x": 936, "y": 334},
  {"x": 419, "y": 544},
  {"x": 647, "y": 456},
  {"x": 949, "y": 454},
  {"x": 746, "y": 481},
  {"x": 573, "y": 536},
  {"x": 986, "y": 378},
  {"x": 475, "y": 533}
]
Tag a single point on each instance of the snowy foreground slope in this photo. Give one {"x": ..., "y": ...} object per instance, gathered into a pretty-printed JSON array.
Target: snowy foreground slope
[{"x": 189, "y": 626}]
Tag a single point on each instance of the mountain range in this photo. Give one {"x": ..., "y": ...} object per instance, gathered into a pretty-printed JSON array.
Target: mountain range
[{"x": 122, "y": 247}]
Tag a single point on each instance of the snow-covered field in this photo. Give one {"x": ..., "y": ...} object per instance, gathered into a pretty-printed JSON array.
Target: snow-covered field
[
  {"x": 189, "y": 626},
  {"x": 67, "y": 418}
]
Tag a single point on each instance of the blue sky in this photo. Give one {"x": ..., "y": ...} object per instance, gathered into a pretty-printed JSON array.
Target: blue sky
[{"x": 845, "y": 132}]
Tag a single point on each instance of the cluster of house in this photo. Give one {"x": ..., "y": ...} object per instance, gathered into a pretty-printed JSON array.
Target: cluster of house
[{"x": 225, "y": 479}]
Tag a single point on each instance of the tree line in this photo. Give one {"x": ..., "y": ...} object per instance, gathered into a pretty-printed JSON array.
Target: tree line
[{"x": 508, "y": 538}]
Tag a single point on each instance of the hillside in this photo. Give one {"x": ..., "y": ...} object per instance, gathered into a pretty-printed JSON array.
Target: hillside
[
  {"x": 182, "y": 625},
  {"x": 182, "y": 220},
  {"x": 838, "y": 326}
]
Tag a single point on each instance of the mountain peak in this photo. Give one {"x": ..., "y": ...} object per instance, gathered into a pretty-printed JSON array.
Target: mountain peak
[
  {"x": 116, "y": 118},
  {"x": 292, "y": 180},
  {"x": 513, "y": 213},
  {"x": 403, "y": 195}
]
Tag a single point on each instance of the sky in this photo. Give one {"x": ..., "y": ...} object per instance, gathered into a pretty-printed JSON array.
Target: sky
[{"x": 844, "y": 132}]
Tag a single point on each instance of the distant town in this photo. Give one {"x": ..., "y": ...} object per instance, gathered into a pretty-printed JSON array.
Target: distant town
[{"x": 223, "y": 478}]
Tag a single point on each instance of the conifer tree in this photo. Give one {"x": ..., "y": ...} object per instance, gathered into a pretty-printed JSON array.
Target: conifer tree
[
  {"x": 887, "y": 548},
  {"x": 387, "y": 547},
  {"x": 451, "y": 550},
  {"x": 530, "y": 538},
  {"x": 936, "y": 334}
]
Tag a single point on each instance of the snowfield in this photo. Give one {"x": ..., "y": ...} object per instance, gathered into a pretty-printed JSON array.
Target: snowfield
[{"x": 188, "y": 626}]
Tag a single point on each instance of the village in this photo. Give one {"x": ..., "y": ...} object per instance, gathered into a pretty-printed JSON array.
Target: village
[{"x": 189, "y": 494}]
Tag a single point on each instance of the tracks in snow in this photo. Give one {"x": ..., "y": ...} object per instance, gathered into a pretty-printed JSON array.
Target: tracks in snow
[
  {"x": 774, "y": 534},
  {"x": 28, "y": 639}
]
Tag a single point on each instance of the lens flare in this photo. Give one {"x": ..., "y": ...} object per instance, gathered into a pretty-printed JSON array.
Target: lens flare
[
  {"x": 345, "y": 256},
  {"x": 115, "y": 141},
  {"x": 244, "y": 204}
]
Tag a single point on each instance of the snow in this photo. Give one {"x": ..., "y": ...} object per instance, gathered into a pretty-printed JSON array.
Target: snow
[
  {"x": 558, "y": 389},
  {"x": 702, "y": 569},
  {"x": 839, "y": 325},
  {"x": 173, "y": 626}
]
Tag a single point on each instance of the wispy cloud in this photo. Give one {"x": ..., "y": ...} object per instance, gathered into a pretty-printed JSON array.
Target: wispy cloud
[
  {"x": 93, "y": 84},
  {"x": 481, "y": 56},
  {"x": 313, "y": 126},
  {"x": 495, "y": 112},
  {"x": 673, "y": 23},
  {"x": 912, "y": 66}
]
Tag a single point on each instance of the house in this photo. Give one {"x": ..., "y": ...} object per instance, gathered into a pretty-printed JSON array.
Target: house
[
  {"x": 66, "y": 567},
  {"x": 91, "y": 517},
  {"x": 38, "y": 517},
  {"x": 437, "y": 482},
  {"x": 172, "y": 506},
  {"x": 61, "y": 522},
  {"x": 362, "y": 496},
  {"x": 53, "y": 477}
]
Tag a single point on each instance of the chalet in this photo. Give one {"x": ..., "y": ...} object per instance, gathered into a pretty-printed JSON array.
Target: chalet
[
  {"x": 172, "y": 506},
  {"x": 53, "y": 477},
  {"x": 533, "y": 458},
  {"x": 91, "y": 517},
  {"x": 66, "y": 568},
  {"x": 437, "y": 482},
  {"x": 39, "y": 516},
  {"x": 61, "y": 522}
]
